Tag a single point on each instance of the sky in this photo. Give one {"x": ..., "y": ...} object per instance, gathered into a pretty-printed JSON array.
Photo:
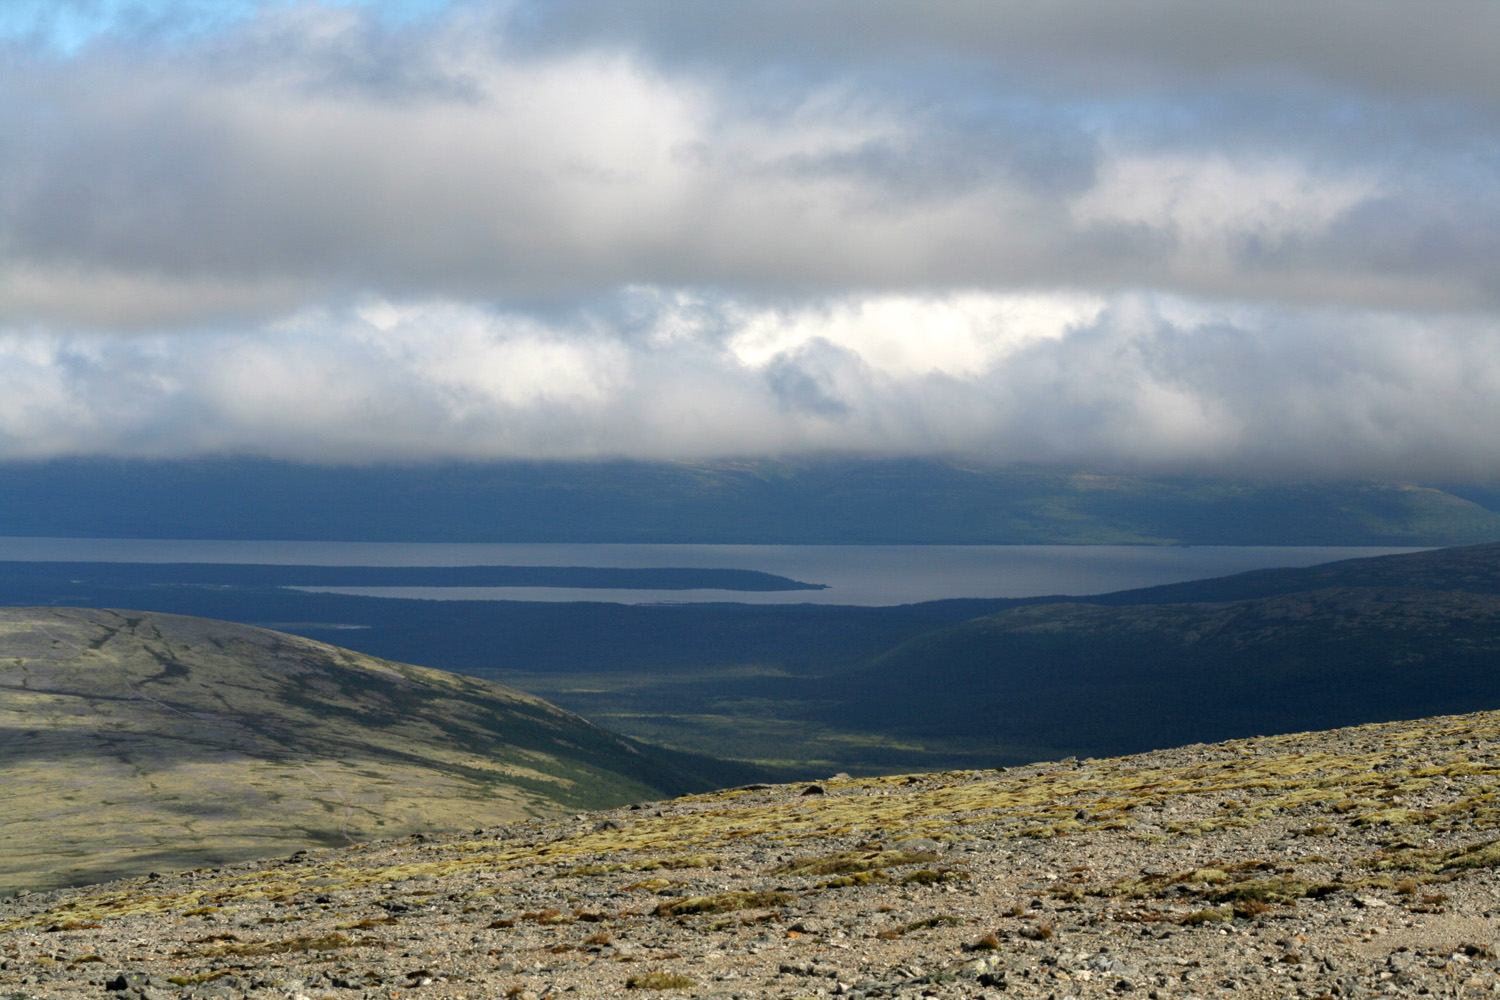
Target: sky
[{"x": 1252, "y": 238}]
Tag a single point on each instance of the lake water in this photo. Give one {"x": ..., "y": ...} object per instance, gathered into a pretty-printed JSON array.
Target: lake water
[{"x": 871, "y": 575}]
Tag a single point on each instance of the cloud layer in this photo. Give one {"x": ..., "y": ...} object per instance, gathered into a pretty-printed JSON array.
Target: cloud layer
[
  {"x": 1134, "y": 380},
  {"x": 1196, "y": 236}
]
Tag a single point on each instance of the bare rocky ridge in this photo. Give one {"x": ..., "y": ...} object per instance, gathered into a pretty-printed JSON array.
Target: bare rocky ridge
[{"x": 1357, "y": 862}]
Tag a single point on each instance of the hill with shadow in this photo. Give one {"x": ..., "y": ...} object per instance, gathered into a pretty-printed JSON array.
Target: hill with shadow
[
  {"x": 1473, "y": 569},
  {"x": 1353, "y": 642},
  {"x": 131, "y": 739}
]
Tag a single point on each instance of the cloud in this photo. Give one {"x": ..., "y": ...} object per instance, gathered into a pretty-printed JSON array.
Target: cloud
[
  {"x": 1168, "y": 234},
  {"x": 1133, "y": 380},
  {"x": 316, "y": 154},
  {"x": 1387, "y": 47}
]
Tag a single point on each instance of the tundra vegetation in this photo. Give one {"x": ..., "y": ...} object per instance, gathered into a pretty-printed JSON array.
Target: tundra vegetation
[
  {"x": 1343, "y": 863},
  {"x": 130, "y": 739}
]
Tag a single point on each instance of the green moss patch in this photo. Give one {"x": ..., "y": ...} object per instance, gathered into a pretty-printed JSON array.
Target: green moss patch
[
  {"x": 1432, "y": 861},
  {"x": 930, "y": 876},
  {"x": 659, "y": 981},
  {"x": 1281, "y": 891},
  {"x": 857, "y": 879},
  {"x": 724, "y": 902},
  {"x": 324, "y": 942}
]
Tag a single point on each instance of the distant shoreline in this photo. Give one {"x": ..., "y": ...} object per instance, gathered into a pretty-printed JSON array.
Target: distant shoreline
[
  {"x": 139, "y": 572},
  {"x": 310, "y": 576}
]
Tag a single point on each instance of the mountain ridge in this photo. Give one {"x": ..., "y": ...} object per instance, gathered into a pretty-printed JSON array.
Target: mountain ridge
[
  {"x": 836, "y": 499},
  {"x": 1349, "y": 642}
]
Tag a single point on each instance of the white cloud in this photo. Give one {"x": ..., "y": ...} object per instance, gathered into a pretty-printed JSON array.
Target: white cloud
[
  {"x": 1209, "y": 203},
  {"x": 1172, "y": 234},
  {"x": 961, "y": 334},
  {"x": 1132, "y": 379}
]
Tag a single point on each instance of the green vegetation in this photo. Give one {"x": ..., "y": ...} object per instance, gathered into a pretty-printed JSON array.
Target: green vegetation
[
  {"x": 766, "y": 717},
  {"x": 131, "y": 735},
  {"x": 724, "y": 902},
  {"x": 802, "y": 691},
  {"x": 1095, "y": 679},
  {"x": 658, "y": 981},
  {"x": 677, "y": 863},
  {"x": 1315, "y": 780},
  {"x": 1432, "y": 861},
  {"x": 1208, "y": 917},
  {"x": 930, "y": 876},
  {"x": 805, "y": 691},
  {"x": 856, "y": 879}
]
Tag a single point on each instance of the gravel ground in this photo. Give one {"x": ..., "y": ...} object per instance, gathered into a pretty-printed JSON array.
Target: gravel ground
[{"x": 1357, "y": 862}]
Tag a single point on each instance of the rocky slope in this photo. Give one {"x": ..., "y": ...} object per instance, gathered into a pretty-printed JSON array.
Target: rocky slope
[
  {"x": 1349, "y": 863},
  {"x": 130, "y": 739}
]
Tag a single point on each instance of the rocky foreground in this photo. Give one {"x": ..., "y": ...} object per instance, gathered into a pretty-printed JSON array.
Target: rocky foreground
[{"x": 1351, "y": 863}]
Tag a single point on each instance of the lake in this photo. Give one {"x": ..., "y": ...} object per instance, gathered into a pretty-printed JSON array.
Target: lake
[{"x": 868, "y": 575}]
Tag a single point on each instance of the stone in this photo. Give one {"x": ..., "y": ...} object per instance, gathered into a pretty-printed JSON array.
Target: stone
[{"x": 542, "y": 908}]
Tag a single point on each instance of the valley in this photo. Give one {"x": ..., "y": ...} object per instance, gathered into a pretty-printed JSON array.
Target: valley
[{"x": 807, "y": 689}]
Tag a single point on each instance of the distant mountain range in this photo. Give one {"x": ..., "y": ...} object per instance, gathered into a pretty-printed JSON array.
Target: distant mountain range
[
  {"x": 1274, "y": 651},
  {"x": 795, "y": 501},
  {"x": 129, "y": 740}
]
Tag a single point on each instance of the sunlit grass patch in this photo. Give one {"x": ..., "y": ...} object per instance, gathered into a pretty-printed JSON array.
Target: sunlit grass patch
[
  {"x": 659, "y": 981},
  {"x": 320, "y": 942},
  {"x": 723, "y": 903},
  {"x": 1434, "y": 860}
]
